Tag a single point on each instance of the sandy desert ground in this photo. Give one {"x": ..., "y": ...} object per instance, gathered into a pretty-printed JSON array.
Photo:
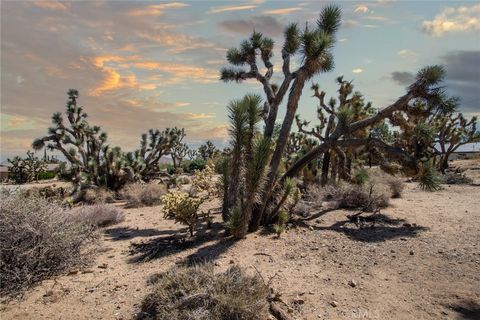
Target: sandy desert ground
[{"x": 422, "y": 261}]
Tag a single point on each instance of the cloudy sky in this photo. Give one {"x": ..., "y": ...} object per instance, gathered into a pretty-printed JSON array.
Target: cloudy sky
[{"x": 141, "y": 65}]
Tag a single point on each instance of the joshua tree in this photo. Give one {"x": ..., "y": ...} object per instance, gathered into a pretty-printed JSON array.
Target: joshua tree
[
  {"x": 313, "y": 48},
  {"x": 82, "y": 145},
  {"x": 207, "y": 150},
  {"x": 248, "y": 164},
  {"x": 454, "y": 130},
  {"x": 26, "y": 169},
  {"x": 153, "y": 146},
  {"x": 92, "y": 161},
  {"x": 349, "y": 132}
]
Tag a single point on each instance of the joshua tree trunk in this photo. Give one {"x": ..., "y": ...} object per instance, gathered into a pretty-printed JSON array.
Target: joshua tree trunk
[{"x": 292, "y": 105}]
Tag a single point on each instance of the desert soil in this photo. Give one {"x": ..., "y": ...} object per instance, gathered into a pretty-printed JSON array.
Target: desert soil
[{"x": 421, "y": 261}]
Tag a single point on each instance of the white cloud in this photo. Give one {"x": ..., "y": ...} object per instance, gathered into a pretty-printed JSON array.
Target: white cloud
[
  {"x": 407, "y": 54},
  {"x": 361, "y": 9},
  {"x": 357, "y": 70},
  {"x": 461, "y": 19}
]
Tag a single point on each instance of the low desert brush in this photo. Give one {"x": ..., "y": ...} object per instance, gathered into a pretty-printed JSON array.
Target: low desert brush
[
  {"x": 38, "y": 239},
  {"x": 98, "y": 196},
  {"x": 99, "y": 215},
  {"x": 139, "y": 195},
  {"x": 199, "y": 293}
]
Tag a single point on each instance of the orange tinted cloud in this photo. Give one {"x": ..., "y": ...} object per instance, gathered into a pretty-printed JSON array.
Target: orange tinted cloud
[
  {"x": 231, "y": 8},
  {"x": 157, "y": 9},
  {"x": 282, "y": 11},
  {"x": 51, "y": 5}
]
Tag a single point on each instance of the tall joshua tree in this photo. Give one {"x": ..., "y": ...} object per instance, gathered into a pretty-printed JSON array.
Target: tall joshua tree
[
  {"x": 248, "y": 163},
  {"x": 82, "y": 145},
  {"x": 313, "y": 48},
  {"x": 454, "y": 130}
]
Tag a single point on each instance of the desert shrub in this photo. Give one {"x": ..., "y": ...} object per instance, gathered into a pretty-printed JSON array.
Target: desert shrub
[
  {"x": 51, "y": 193},
  {"x": 394, "y": 183},
  {"x": 38, "y": 239},
  {"x": 361, "y": 176},
  {"x": 234, "y": 221},
  {"x": 46, "y": 175},
  {"x": 138, "y": 195},
  {"x": 199, "y": 293},
  {"x": 429, "y": 178},
  {"x": 452, "y": 177},
  {"x": 182, "y": 208},
  {"x": 99, "y": 215},
  {"x": 369, "y": 197},
  {"x": 281, "y": 224},
  {"x": 97, "y": 196},
  {"x": 195, "y": 164}
]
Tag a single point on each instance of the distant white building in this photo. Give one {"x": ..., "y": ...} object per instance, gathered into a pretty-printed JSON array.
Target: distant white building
[{"x": 466, "y": 151}]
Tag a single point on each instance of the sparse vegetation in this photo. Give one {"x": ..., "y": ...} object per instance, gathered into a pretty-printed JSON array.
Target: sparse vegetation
[
  {"x": 453, "y": 177},
  {"x": 199, "y": 293},
  {"x": 143, "y": 194},
  {"x": 368, "y": 197},
  {"x": 429, "y": 178},
  {"x": 38, "y": 239},
  {"x": 98, "y": 196},
  {"x": 182, "y": 208},
  {"x": 98, "y": 215}
]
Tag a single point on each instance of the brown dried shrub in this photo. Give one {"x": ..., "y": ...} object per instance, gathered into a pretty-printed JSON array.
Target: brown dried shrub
[
  {"x": 139, "y": 195},
  {"x": 199, "y": 293},
  {"x": 99, "y": 215},
  {"x": 38, "y": 239},
  {"x": 98, "y": 196}
]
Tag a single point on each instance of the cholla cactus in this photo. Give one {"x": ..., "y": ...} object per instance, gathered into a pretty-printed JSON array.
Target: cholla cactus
[
  {"x": 182, "y": 208},
  {"x": 205, "y": 180}
]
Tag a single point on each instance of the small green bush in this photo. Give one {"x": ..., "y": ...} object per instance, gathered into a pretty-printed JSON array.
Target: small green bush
[
  {"x": 361, "y": 176},
  {"x": 46, "y": 175},
  {"x": 199, "y": 293},
  {"x": 429, "y": 178},
  {"x": 196, "y": 164},
  {"x": 281, "y": 225}
]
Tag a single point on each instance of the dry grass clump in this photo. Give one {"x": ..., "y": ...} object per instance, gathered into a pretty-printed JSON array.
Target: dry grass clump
[
  {"x": 368, "y": 197},
  {"x": 452, "y": 177},
  {"x": 98, "y": 196},
  {"x": 139, "y": 195},
  {"x": 99, "y": 215},
  {"x": 199, "y": 293},
  {"x": 395, "y": 184},
  {"x": 38, "y": 239}
]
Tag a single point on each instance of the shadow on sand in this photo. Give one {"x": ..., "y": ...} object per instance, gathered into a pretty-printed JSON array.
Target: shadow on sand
[
  {"x": 373, "y": 228},
  {"x": 167, "y": 245},
  {"x": 125, "y": 233},
  {"x": 468, "y": 309}
]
